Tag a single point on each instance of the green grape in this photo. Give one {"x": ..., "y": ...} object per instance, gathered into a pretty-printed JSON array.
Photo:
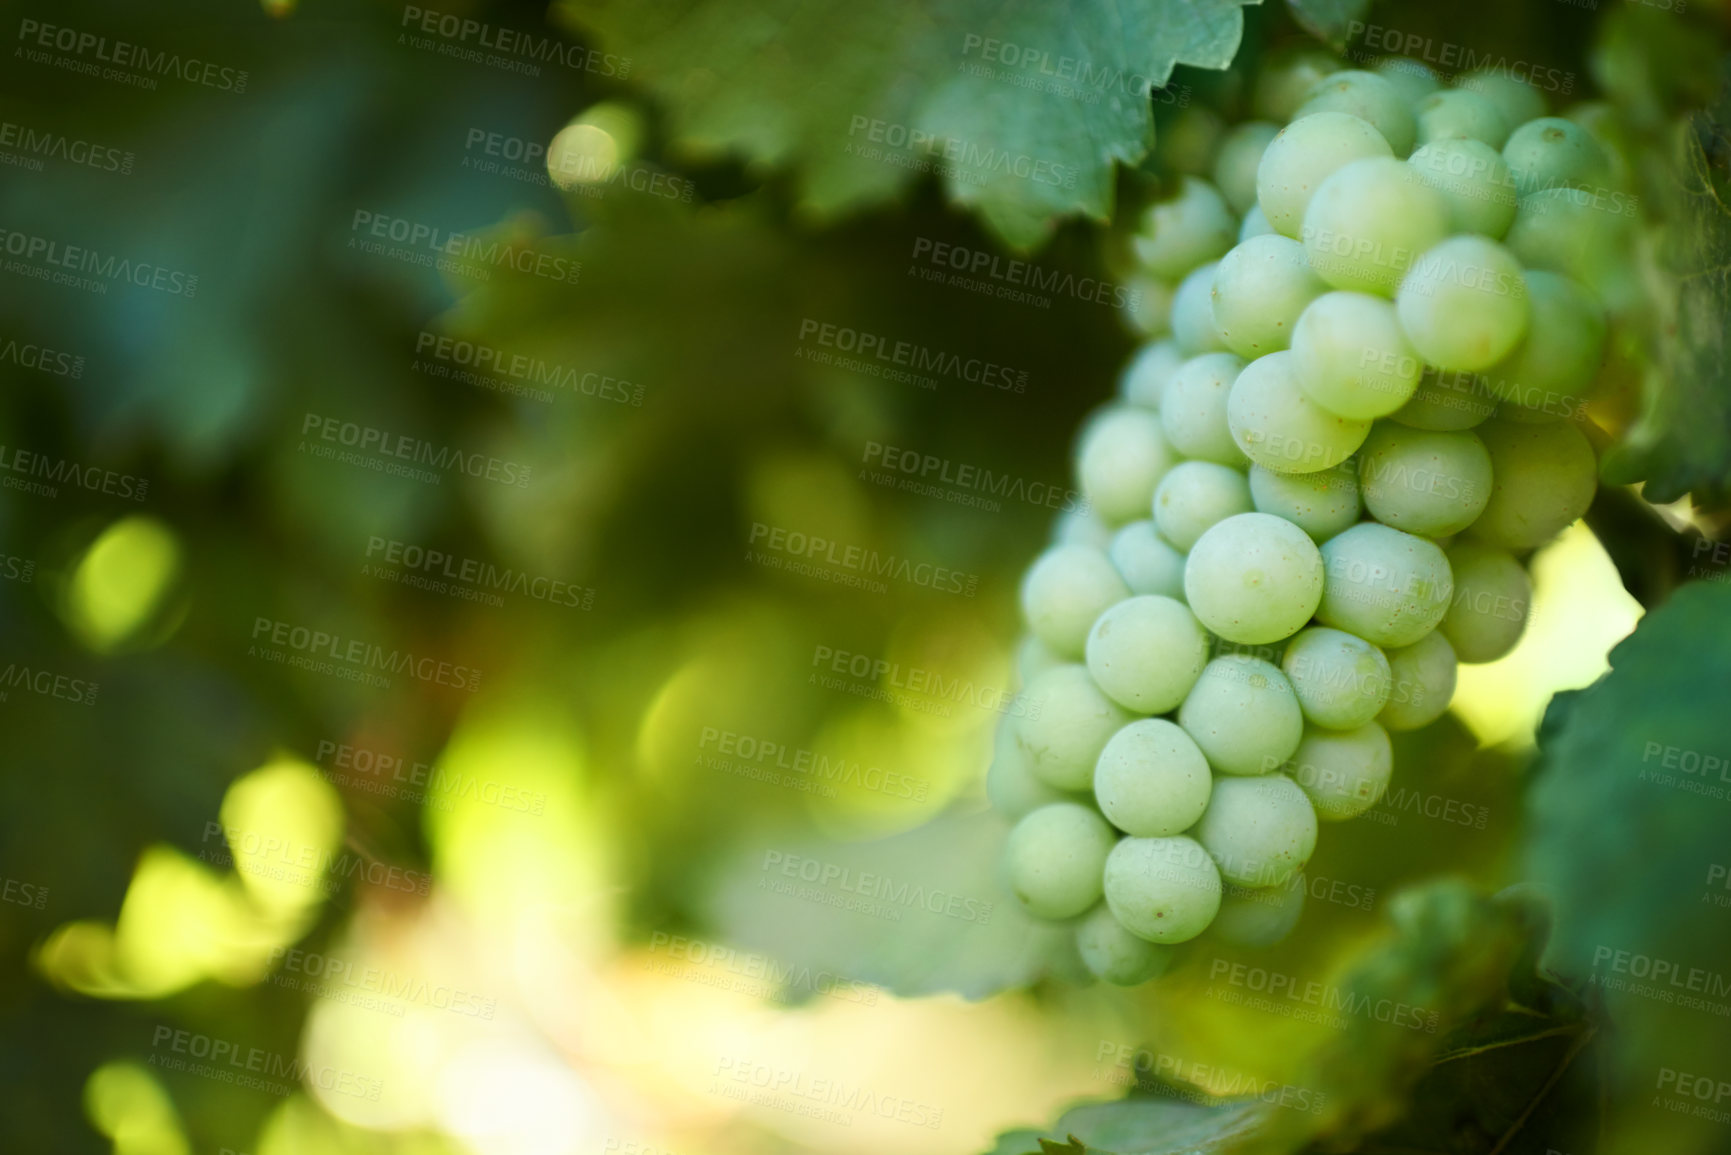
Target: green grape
[
  {"x": 1421, "y": 680},
  {"x": 1195, "y": 496},
  {"x": 1193, "y": 408},
  {"x": 1065, "y": 722},
  {"x": 1492, "y": 599},
  {"x": 1146, "y": 653},
  {"x": 1079, "y": 526},
  {"x": 1369, "y": 221},
  {"x": 1302, "y": 156},
  {"x": 1152, "y": 780},
  {"x": 1190, "y": 140},
  {"x": 1054, "y": 857},
  {"x": 1389, "y": 588},
  {"x": 1424, "y": 482},
  {"x": 1351, "y": 357},
  {"x": 1587, "y": 235},
  {"x": 1146, "y": 561},
  {"x": 1551, "y": 152},
  {"x": 1066, "y": 588},
  {"x": 1260, "y": 289},
  {"x": 1279, "y": 428},
  {"x": 1463, "y": 305},
  {"x": 1473, "y": 181},
  {"x": 1321, "y": 504},
  {"x": 1413, "y": 79},
  {"x": 1193, "y": 313},
  {"x": 1283, "y": 84},
  {"x": 1149, "y": 310},
  {"x": 1165, "y": 890},
  {"x": 1192, "y": 228},
  {"x": 1243, "y": 715},
  {"x": 1235, "y": 164},
  {"x": 1255, "y": 225},
  {"x": 1517, "y": 100},
  {"x": 1259, "y": 917},
  {"x": 1344, "y": 772},
  {"x": 1547, "y": 374},
  {"x": 1034, "y": 657},
  {"x": 1458, "y": 114},
  {"x": 1341, "y": 681},
  {"x": 1370, "y": 98},
  {"x": 1259, "y": 831},
  {"x": 1447, "y": 400},
  {"x": 1122, "y": 459},
  {"x": 1114, "y": 955},
  {"x": 1544, "y": 478},
  {"x": 1144, "y": 378},
  {"x": 1253, "y": 578},
  {"x": 1011, "y": 786}
]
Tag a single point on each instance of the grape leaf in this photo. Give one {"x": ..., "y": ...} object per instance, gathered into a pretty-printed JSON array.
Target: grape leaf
[
  {"x": 1329, "y": 20},
  {"x": 1020, "y": 108},
  {"x": 1629, "y": 809}
]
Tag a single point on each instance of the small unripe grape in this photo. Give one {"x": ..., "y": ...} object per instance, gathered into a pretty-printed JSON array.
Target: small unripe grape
[
  {"x": 1447, "y": 400},
  {"x": 1284, "y": 84},
  {"x": 1413, "y": 79},
  {"x": 1148, "y": 311},
  {"x": 1302, "y": 156},
  {"x": 1165, "y": 890},
  {"x": 1193, "y": 408},
  {"x": 1280, "y": 428},
  {"x": 1065, "y": 723},
  {"x": 1370, "y": 98},
  {"x": 1193, "y": 313},
  {"x": 1147, "y": 562},
  {"x": 1146, "y": 652},
  {"x": 1253, "y": 578},
  {"x": 1122, "y": 459},
  {"x": 1194, "y": 496},
  {"x": 1322, "y": 504},
  {"x": 1369, "y": 221},
  {"x": 1584, "y": 235},
  {"x": 1464, "y": 305},
  {"x": 1457, "y": 114},
  {"x": 1551, "y": 152},
  {"x": 1543, "y": 479},
  {"x": 1033, "y": 658},
  {"x": 1473, "y": 181},
  {"x": 1260, "y": 289},
  {"x": 1387, "y": 587},
  {"x": 1066, "y": 588},
  {"x": 1055, "y": 856},
  {"x": 1243, "y": 715},
  {"x": 1114, "y": 955},
  {"x": 1518, "y": 101},
  {"x": 1351, "y": 357},
  {"x": 1152, "y": 780},
  {"x": 1259, "y": 916},
  {"x": 1145, "y": 378},
  {"x": 1343, "y": 772},
  {"x": 1422, "y": 681},
  {"x": 1341, "y": 681},
  {"x": 1547, "y": 374},
  {"x": 1192, "y": 228},
  {"x": 1011, "y": 786},
  {"x": 1424, "y": 482},
  {"x": 1255, "y": 225},
  {"x": 1492, "y": 599},
  {"x": 1236, "y": 163},
  {"x": 1259, "y": 831}
]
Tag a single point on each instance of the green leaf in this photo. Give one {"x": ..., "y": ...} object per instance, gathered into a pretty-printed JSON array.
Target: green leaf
[
  {"x": 1142, "y": 1125},
  {"x": 1329, "y": 20},
  {"x": 1020, "y": 108},
  {"x": 1629, "y": 812}
]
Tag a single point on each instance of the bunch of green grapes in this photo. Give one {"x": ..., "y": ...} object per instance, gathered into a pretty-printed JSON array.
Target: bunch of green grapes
[{"x": 1377, "y": 327}]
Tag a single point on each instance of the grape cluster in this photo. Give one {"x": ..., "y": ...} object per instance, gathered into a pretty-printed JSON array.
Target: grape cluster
[{"x": 1313, "y": 498}]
